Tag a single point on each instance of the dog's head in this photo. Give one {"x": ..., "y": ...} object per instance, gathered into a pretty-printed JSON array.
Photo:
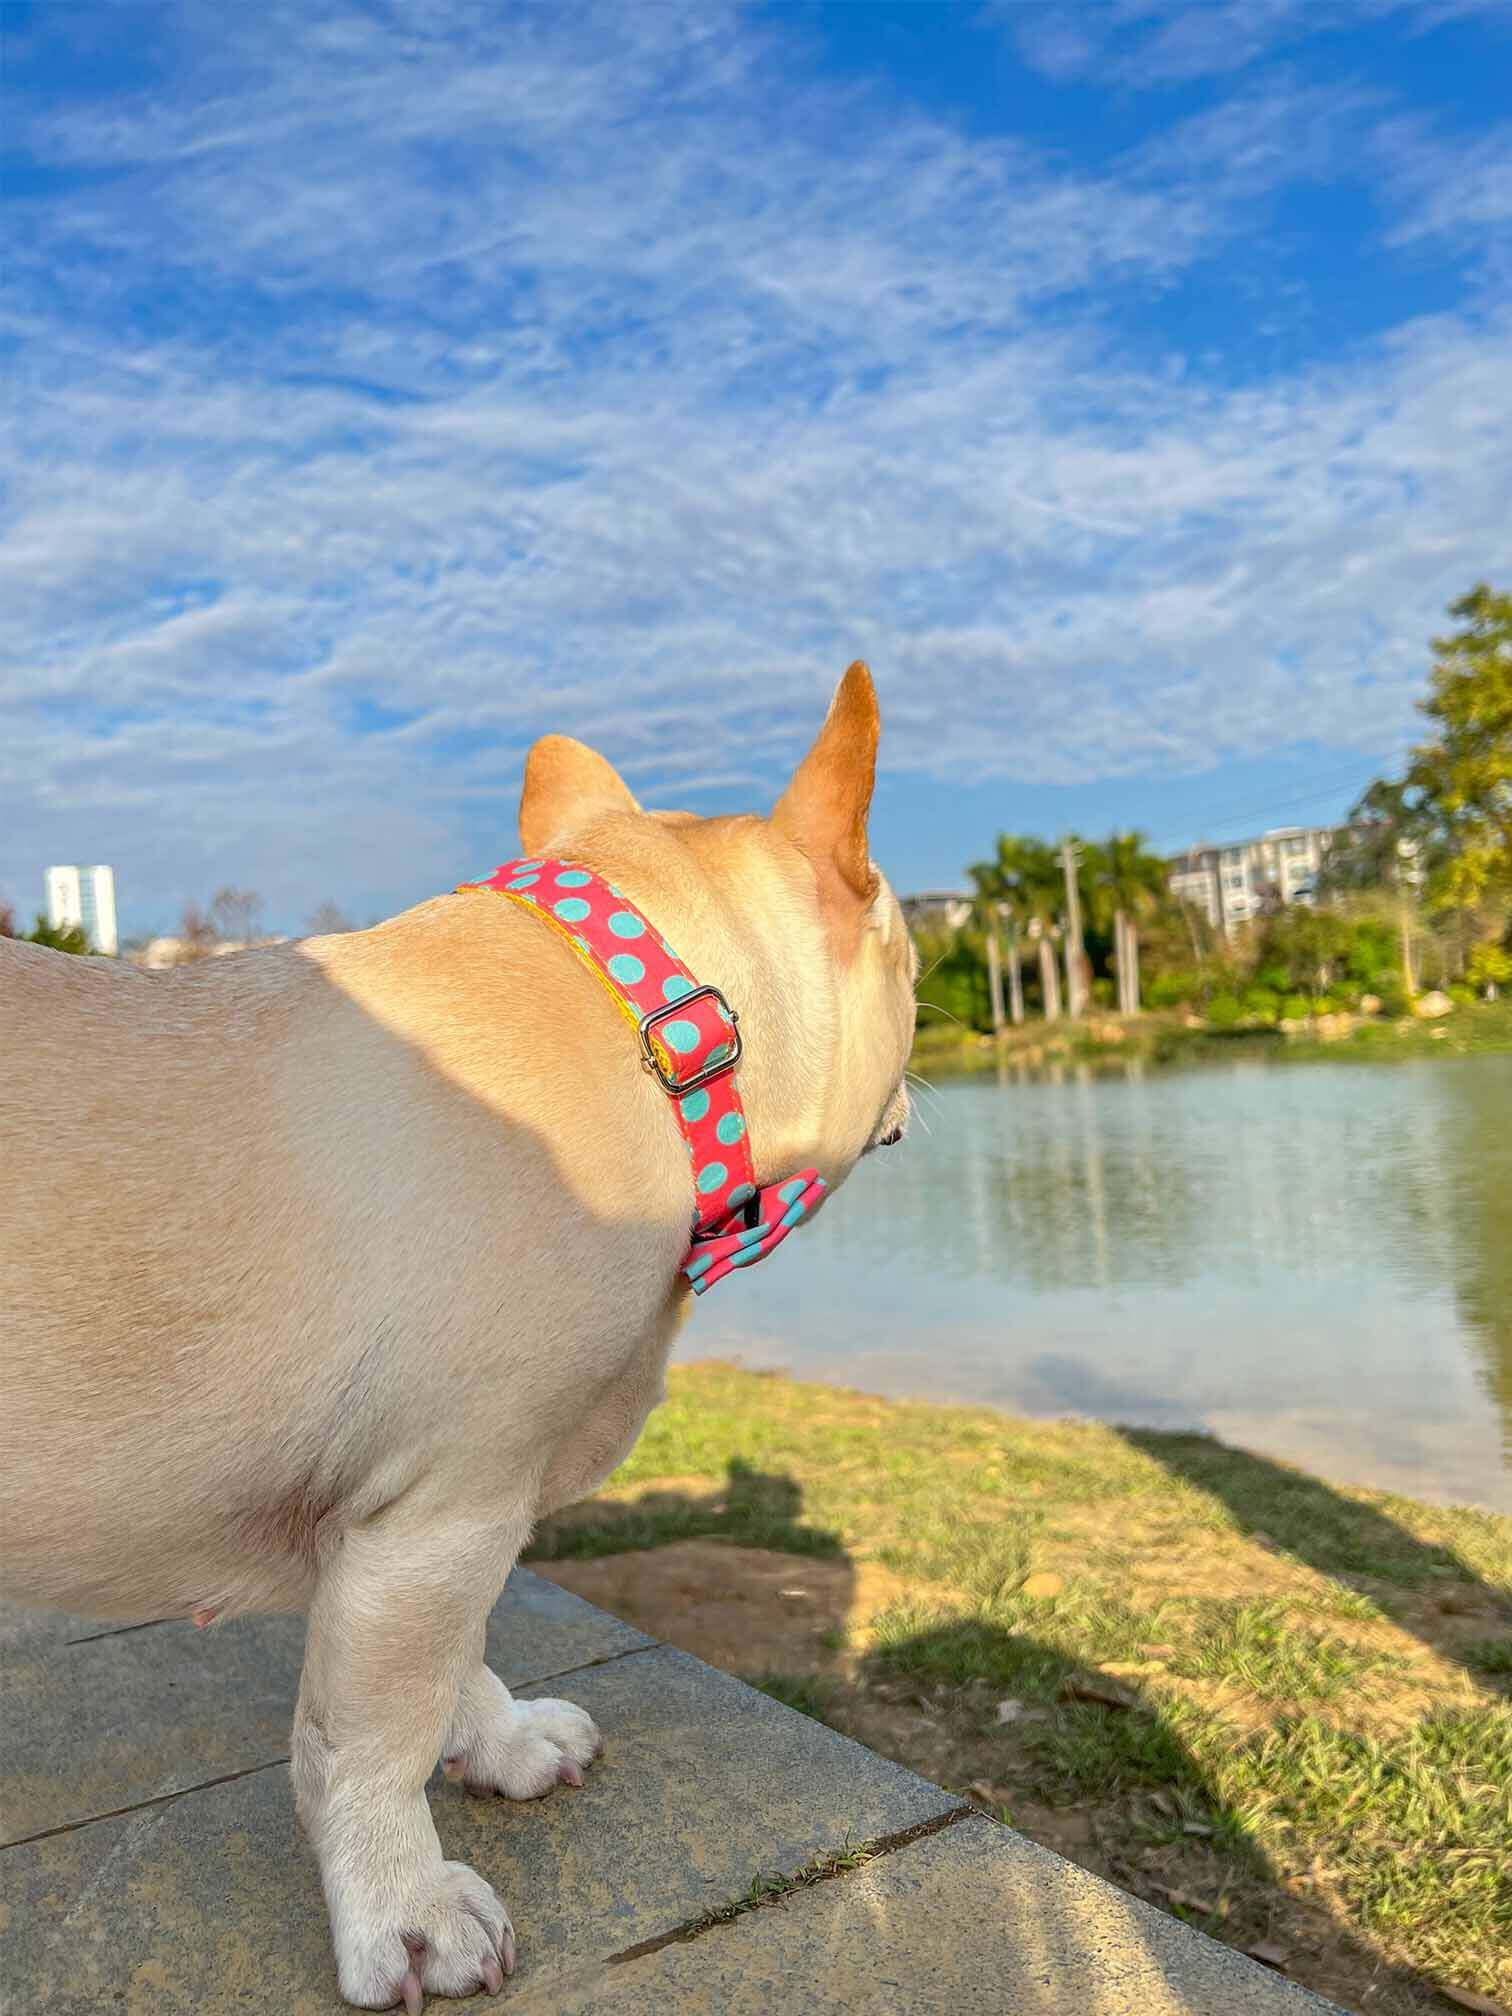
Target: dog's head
[{"x": 788, "y": 914}]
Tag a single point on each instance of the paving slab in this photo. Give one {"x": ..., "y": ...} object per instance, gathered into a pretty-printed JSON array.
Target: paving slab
[
  {"x": 206, "y": 1900},
  {"x": 211, "y": 1903},
  {"x": 971, "y": 1918},
  {"x": 94, "y": 1719}
]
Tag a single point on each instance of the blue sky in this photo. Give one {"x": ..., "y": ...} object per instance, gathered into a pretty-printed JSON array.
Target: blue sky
[{"x": 1128, "y": 381}]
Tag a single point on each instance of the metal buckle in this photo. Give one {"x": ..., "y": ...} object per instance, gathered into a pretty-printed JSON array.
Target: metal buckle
[{"x": 652, "y": 1063}]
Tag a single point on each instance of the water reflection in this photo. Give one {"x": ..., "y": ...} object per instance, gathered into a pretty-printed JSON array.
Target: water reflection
[
  {"x": 1476, "y": 1119},
  {"x": 1315, "y": 1262}
]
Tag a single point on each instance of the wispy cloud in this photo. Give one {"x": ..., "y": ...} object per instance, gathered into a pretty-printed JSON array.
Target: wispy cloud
[
  {"x": 396, "y": 386},
  {"x": 1151, "y": 43}
]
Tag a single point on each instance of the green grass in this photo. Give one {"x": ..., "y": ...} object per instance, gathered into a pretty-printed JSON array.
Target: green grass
[
  {"x": 1295, "y": 1687},
  {"x": 1491, "y": 1657},
  {"x": 1262, "y": 1648}
]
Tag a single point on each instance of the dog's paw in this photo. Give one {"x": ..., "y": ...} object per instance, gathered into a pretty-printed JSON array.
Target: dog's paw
[
  {"x": 523, "y": 1748},
  {"x": 451, "y": 1935}
]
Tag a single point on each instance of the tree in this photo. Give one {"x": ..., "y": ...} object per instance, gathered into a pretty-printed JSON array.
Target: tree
[
  {"x": 7, "y": 921},
  {"x": 1123, "y": 887},
  {"x": 237, "y": 914},
  {"x": 59, "y": 937},
  {"x": 326, "y": 919},
  {"x": 1309, "y": 946},
  {"x": 1022, "y": 884},
  {"x": 1386, "y": 826},
  {"x": 1463, "y": 778},
  {"x": 197, "y": 935},
  {"x": 1120, "y": 873}
]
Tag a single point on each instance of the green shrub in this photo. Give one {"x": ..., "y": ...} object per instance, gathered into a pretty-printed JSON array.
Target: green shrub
[
  {"x": 1223, "y": 1011},
  {"x": 1173, "y": 990},
  {"x": 1263, "y": 1003},
  {"x": 1295, "y": 1008},
  {"x": 1464, "y": 995},
  {"x": 1389, "y": 991}
]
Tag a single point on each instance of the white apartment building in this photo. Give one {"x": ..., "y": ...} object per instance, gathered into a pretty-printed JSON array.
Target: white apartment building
[
  {"x": 1232, "y": 884},
  {"x": 84, "y": 897}
]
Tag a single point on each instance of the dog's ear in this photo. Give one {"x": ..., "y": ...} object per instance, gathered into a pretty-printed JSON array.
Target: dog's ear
[
  {"x": 566, "y": 785},
  {"x": 823, "y": 811}
]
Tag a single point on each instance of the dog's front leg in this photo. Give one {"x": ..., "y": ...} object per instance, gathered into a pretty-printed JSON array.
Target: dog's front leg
[
  {"x": 393, "y": 1632},
  {"x": 519, "y": 1749}
]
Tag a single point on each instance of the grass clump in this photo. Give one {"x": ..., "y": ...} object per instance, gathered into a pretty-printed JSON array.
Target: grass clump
[{"x": 812, "y": 1694}]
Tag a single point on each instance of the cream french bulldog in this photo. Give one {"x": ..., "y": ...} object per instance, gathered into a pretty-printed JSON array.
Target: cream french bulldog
[{"x": 334, "y": 1266}]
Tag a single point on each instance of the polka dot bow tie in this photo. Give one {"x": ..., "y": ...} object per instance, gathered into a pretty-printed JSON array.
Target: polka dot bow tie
[{"x": 690, "y": 1043}]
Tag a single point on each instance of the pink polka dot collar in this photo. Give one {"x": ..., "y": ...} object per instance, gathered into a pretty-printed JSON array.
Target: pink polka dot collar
[{"x": 690, "y": 1042}]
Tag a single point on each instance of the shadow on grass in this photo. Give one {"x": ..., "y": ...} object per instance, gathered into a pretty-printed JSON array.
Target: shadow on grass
[
  {"x": 1164, "y": 1828},
  {"x": 1349, "y": 1541},
  {"x": 752, "y": 1510}
]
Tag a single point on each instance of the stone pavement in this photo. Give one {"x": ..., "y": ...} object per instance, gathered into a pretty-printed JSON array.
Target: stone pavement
[{"x": 153, "y": 1863}]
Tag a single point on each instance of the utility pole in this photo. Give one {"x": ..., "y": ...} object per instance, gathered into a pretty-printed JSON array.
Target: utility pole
[
  {"x": 1406, "y": 853},
  {"x": 995, "y": 971},
  {"x": 1076, "y": 957}
]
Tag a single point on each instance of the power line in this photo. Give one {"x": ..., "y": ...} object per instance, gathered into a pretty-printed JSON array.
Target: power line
[{"x": 1324, "y": 788}]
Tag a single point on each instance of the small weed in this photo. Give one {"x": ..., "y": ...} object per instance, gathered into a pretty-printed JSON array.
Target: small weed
[
  {"x": 810, "y": 1693},
  {"x": 770, "y": 1888}
]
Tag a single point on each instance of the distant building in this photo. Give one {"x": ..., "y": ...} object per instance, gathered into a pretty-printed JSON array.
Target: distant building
[
  {"x": 84, "y": 897},
  {"x": 1232, "y": 884},
  {"x": 936, "y": 910}
]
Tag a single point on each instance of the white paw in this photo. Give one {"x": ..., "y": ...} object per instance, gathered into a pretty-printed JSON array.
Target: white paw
[
  {"x": 521, "y": 1748},
  {"x": 449, "y": 1934}
]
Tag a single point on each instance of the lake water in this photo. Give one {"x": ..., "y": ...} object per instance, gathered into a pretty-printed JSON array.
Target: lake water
[{"x": 1311, "y": 1260}]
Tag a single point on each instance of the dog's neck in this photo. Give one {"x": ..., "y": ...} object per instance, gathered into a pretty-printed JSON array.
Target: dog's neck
[{"x": 689, "y": 1039}]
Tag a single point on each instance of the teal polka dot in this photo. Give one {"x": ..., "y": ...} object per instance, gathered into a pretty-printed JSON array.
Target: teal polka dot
[
  {"x": 713, "y": 1176},
  {"x": 754, "y": 1234},
  {"x": 675, "y": 986},
  {"x": 528, "y": 867},
  {"x": 571, "y": 909},
  {"x": 792, "y": 1189},
  {"x": 573, "y": 878},
  {"x": 718, "y": 1054},
  {"x": 679, "y": 1036},
  {"x": 695, "y": 1106},
  {"x": 741, "y": 1194},
  {"x": 700, "y": 1264},
  {"x": 746, "y": 1256},
  {"x": 793, "y": 1213},
  {"x": 523, "y": 882},
  {"x": 626, "y": 968},
  {"x": 730, "y": 1129},
  {"x": 624, "y": 925}
]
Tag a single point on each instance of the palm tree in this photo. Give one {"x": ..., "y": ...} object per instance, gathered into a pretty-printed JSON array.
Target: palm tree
[
  {"x": 1123, "y": 883},
  {"x": 1021, "y": 884}
]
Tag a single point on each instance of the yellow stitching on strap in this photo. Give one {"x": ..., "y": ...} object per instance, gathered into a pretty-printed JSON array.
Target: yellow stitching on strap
[{"x": 583, "y": 958}]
